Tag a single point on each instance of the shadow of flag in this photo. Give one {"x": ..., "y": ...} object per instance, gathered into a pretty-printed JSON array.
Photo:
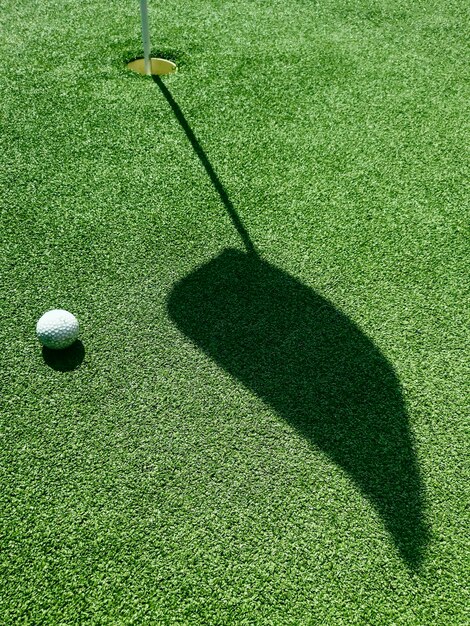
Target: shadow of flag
[{"x": 316, "y": 369}]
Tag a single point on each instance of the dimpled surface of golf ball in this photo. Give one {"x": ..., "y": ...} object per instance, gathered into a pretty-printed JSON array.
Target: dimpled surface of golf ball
[{"x": 57, "y": 329}]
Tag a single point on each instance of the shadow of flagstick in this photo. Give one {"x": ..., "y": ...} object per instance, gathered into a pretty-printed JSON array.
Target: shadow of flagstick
[
  {"x": 245, "y": 237},
  {"x": 311, "y": 364}
]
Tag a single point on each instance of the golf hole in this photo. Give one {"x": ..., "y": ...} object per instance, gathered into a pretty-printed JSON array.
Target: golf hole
[{"x": 159, "y": 67}]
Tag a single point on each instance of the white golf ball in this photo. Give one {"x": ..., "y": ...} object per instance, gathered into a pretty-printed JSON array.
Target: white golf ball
[{"x": 57, "y": 329}]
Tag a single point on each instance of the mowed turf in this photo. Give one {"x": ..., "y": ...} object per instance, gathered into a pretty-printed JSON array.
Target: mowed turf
[{"x": 267, "y": 419}]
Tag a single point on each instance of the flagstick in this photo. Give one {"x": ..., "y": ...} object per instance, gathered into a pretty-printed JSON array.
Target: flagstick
[
  {"x": 146, "y": 36},
  {"x": 147, "y": 65}
]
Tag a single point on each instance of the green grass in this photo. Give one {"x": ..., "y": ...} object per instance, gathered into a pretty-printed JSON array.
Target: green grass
[{"x": 274, "y": 435}]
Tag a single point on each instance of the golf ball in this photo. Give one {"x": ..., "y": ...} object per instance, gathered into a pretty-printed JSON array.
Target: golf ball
[{"x": 57, "y": 329}]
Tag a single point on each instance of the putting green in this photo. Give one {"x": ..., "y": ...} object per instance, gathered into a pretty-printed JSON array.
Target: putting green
[{"x": 265, "y": 420}]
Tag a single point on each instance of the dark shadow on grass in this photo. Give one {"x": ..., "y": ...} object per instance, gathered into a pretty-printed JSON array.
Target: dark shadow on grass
[
  {"x": 318, "y": 371},
  {"x": 311, "y": 364},
  {"x": 207, "y": 166},
  {"x": 65, "y": 360}
]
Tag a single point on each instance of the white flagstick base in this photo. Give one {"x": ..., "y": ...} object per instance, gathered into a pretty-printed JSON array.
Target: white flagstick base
[{"x": 159, "y": 67}]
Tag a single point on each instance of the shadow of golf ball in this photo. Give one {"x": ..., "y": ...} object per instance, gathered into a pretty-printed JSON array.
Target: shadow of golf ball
[{"x": 64, "y": 360}]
